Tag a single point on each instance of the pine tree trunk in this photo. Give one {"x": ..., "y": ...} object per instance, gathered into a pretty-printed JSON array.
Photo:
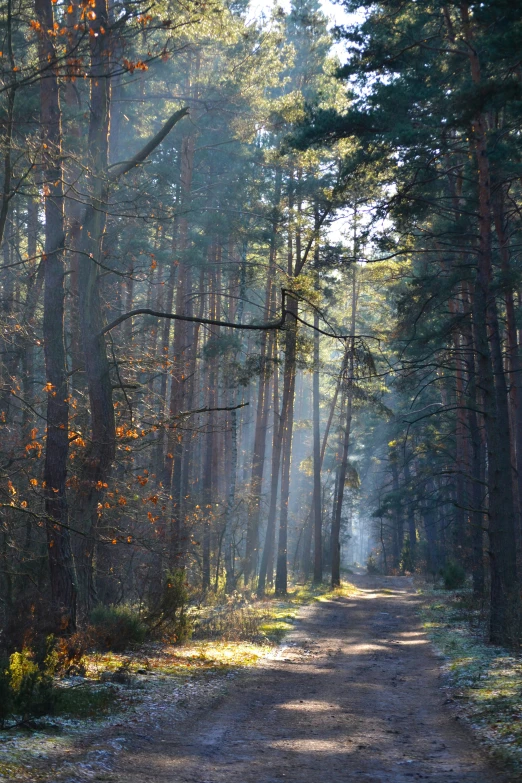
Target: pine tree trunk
[
  {"x": 461, "y": 438},
  {"x": 476, "y": 491},
  {"x": 341, "y": 480},
  {"x": 263, "y": 405},
  {"x": 430, "y": 528},
  {"x": 258, "y": 457},
  {"x": 287, "y": 408},
  {"x": 97, "y": 463},
  {"x": 513, "y": 356},
  {"x": 397, "y": 509},
  {"x": 266, "y": 565},
  {"x": 286, "y": 425},
  {"x": 63, "y": 588},
  {"x": 412, "y": 532},
  {"x": 318, "y": 522},
  {"x": 234, "y": 399},
  {"x": 505, "y": 599}
]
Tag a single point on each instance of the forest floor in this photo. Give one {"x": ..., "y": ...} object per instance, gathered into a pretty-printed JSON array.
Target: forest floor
[{"x": 354, "y": 694}]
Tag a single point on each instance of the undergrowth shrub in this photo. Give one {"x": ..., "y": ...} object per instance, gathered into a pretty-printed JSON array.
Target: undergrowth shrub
[
  {"x": 235, "y": 620},
  {"x": 27, "y": 688},
  {"x": 167, "y": 615},
  {"x": 372, "y": 566},
  {"x": 116, "y": 628},
  {"x": 70, "y": 653},
  {"x": 453, "y": 576},
  {"x": 407, "y": 563}
]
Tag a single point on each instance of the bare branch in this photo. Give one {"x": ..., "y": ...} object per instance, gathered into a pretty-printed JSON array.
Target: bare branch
[{"x": 122, "y": 168}]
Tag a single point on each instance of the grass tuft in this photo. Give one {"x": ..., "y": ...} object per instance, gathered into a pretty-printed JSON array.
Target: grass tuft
[{"x": 245, "y": 618}]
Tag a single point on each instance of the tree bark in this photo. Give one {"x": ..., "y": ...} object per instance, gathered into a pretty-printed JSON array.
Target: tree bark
[
  {"x": 286, "y": 425},
  {"x": 505, "y": 598},
  {"x": 265, "y": 568},
  {"x": 63, "y": 587},
  {"x": 318, "y": 521},
  {"x": 258, "y": 455},
  {"x": 397, "y": 509},
  {"x": 97, "y": 463},
  {"x": 341, "y": 479},
  {"x": 412, "y": 532},
  {"x": 513, "y": 356}
]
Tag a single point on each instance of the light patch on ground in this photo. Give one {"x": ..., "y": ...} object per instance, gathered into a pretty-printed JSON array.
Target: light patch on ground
[
  {"x": 311, "y": 746},
  {"x": 164, "y": 682},
  {"x": 307, "y": 705}
]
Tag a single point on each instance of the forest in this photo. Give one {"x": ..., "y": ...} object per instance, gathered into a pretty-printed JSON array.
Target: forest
[{"x": 261, "y": 314}]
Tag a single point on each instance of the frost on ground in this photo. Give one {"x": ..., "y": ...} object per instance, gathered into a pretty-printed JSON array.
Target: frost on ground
[
  {"x": 80, "y": 750},
  {"x": 174, "y": 683},
  {"x": 354, "y": 694},
  {"x": 483, "y": 682},
  {"x": 157, "y": 684}
]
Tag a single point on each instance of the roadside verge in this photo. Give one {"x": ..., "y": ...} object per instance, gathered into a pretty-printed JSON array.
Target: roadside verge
[{"x": 483, "y": 682}]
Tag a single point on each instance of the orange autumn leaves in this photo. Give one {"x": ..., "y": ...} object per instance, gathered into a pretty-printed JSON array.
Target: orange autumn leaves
[{"x": 84, "y": 15}]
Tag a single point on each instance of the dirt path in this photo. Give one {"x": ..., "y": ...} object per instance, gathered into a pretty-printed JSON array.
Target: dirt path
[{"x": 355, "y": 696}]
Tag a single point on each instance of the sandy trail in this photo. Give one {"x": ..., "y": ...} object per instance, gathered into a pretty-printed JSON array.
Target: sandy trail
[{"x": 354, "y": 696}]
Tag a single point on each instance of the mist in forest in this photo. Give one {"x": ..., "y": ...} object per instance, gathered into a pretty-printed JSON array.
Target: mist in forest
[{"x": 260, "y": 306}]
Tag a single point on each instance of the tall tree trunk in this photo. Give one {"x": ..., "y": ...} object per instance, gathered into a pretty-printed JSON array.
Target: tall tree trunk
[
  {"x": 318, "y": 521},
  {"x": 430, "y": 527},
  {"x": 505, "y": 599},
  {"x": 286, "y": 425},
  {"x": 234, "y": 398},
  {"x": 341, "y": 480},
  {"x": 7, "y": 141},
  {"x": 99, "y": 456},
  {"x": 504, "y": 585},
  {"x": 461, "y": 442},
  {"x": 266, "y": 565},
  {"x": 287, "y": 408},
  {"x": 209, "y": 476},
  {"x": 193, "y": 333},
  {"x": 183, "y": 352},
  {"x": 63, "y": 588},
  {"x": 263, "y": 406},
  {"x": 258, "y": 456},
  {"x": 412, "y": 532},
  {"x": 513, "y": 351},
  {"x": 476, "y": 490},
  {"x": 398, "y": 518}
]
